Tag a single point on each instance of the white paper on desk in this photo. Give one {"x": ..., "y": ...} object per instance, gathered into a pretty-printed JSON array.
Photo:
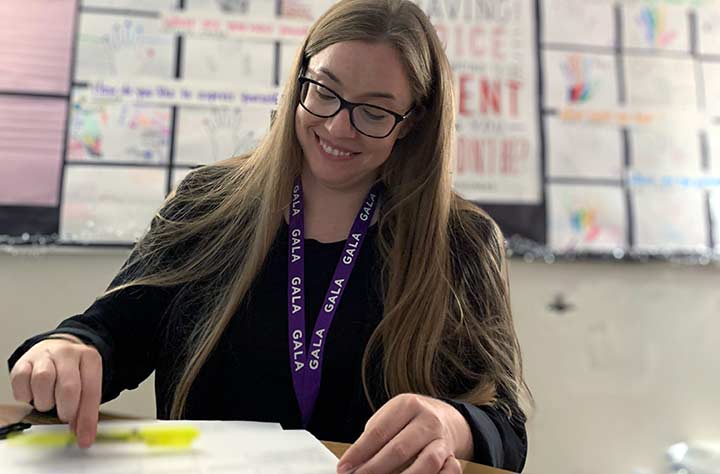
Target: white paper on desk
[{"x": 222, "y": 447}]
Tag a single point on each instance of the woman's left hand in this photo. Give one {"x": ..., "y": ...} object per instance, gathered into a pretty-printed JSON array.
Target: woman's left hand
[{"x": 413, "y": 434}]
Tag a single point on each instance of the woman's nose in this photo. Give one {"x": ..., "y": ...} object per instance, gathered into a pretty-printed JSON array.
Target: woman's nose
[{"x": 340, "y": 125}]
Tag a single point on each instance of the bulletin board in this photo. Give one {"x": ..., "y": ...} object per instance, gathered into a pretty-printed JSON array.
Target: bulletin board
[{"x": 585, "y": 127}]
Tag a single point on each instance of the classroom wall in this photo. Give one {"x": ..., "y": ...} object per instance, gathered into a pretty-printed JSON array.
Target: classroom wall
[{"x": 632, "y": 368}]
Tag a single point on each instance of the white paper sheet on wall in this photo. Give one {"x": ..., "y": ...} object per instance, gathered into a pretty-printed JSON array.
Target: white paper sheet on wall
[
  {"x": 231, "y": 61},
  {"x": 656, "y": 27},
  {"x": 580, "y": 79},
  {"x": 666, "y": 152},
  {"x": 208, "y": 135},
  {"x": 124, "y": 46},
  {"x": 661, "y": 82},
  {"x": 233, "y": 7},
  {"x": 709, "y": 29},
  {"x": 306, "y": 9},
  {"x": 117, "y": 132},
  {"x": 31, "y": 142},
  {"x": 35, "y": 50},
  {"x": 583, "y": 151},
  {"x": 713, "y": 144},
  {"x": 711, "y": 79},
  {"x": 109, "y": 203},
  {"x": 715, "y": 216},
  {"x": 578, "y": 22},
  {"x": 145, "y": 5},
  {"x": 669, "y": 219},
  {"x": 590, "y": 218},
  {"x": 288, "y": 52}
]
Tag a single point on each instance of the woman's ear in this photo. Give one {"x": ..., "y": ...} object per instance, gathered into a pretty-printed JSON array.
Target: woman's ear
[{"x": 408, "y": 124}]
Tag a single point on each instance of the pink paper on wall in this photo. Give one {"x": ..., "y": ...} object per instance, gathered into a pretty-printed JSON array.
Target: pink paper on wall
[
  {"x": 31, "y": 141},
  {"x": 36, "y": 38}
]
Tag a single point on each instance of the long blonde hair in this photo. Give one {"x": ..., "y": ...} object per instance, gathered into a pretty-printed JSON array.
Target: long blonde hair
[{"x": 447, "y": 327}]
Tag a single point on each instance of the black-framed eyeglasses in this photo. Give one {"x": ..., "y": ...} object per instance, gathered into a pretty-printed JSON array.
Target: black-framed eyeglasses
[{"x": 370, "y": 120}]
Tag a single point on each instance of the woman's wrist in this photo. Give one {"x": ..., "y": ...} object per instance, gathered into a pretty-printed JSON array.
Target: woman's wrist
[
  {"x": 461, "y": 433},
  {"x": 65, "y": 337}
]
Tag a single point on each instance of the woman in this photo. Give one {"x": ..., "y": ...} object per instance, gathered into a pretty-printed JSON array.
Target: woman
[{"x": 400, "y": 338}]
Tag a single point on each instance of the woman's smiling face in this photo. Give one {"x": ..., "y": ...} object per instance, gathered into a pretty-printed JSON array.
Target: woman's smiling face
[{"x": 335, "y": 153}]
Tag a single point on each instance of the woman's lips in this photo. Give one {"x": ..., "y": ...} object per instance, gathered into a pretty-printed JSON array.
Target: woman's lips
[{"x": 331, "y": 156}]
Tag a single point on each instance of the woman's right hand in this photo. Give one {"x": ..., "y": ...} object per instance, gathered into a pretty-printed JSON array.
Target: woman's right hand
[{"x": 62, "y": 373}]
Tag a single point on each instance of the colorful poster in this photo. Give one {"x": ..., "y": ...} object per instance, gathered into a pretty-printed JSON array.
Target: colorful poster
[
  {"x": 656, "y": 27},
  {"x": 110, "y": 204},
  {"x": 124, "y": 46},
  {"x": 627, "y": 111},
  {"x": 579, "y": 79},
  {"x": 576, "y": 150},
  {"x": 31, "y": 143},
  {"x": 491, "y": 51},
  {"x": 669, "y": 220},
  {"x": 586, "y": 218},
  {"x": 117, "y": 132}
]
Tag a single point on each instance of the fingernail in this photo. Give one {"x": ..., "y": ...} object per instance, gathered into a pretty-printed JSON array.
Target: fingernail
[{"x": 344, "y": 468}]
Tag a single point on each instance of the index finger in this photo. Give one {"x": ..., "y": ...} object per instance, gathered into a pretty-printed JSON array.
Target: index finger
[
  {"x": 379, "y": 430},
  {"x": 90, "y": 394}
]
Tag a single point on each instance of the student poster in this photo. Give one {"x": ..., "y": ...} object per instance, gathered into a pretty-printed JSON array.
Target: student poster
[
  {"x": 580, "y": 123},
  {"x": 629, "y": 106},
  {"x": 491, "y": 50}
]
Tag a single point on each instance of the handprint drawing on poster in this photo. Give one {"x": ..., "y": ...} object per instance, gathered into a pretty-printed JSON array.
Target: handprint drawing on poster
[
  {"x": 586, "y": 218},
  {"x": 579, "y": 79},
  {"x": 209, "y": 135},
  {"x": 656, "y": 27},
  {"x": 669, "y": 219},
  {"x": 117, "y": 132},
  {"x": 578, "y": 22},
  {"x": 118, "y": 46},
  {"x": 709, "y": 30}
]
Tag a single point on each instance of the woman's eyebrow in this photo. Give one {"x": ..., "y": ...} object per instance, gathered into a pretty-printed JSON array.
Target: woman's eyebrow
[{"x": 334, "y": 78}]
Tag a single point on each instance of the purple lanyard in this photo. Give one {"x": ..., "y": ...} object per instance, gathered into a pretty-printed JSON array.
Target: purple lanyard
[{"x": 307, "y": 368}]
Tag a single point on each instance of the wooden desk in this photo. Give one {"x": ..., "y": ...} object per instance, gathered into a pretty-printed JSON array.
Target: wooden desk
[{"x": 14, "y": 413}]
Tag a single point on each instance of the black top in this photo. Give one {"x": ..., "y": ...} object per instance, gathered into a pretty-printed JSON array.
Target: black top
[{"x": 248, "y": 377}]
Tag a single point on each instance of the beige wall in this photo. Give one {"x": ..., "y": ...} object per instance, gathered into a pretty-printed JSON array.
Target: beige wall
[{"x": 633, "y": 368}]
